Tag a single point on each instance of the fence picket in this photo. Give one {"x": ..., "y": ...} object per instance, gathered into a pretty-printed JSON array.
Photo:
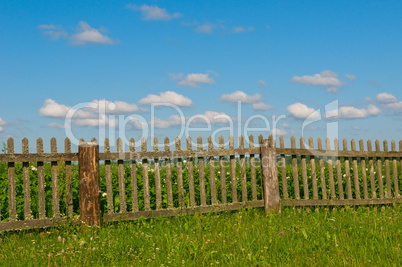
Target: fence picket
[
  {"x": 322, "y": 171},
  {"x": 364, "y": 170},
  {"x": 295, "y": 169},
  {"x": 355, "y": 171},
  {"x": 387, "y": 172},
  {"x": 147, "y": 200},
  {"x": 158, "y": 189},
  {"x": 347, "y": 172},
  {"x": 168, "y": 176},
  {"x": 11, "y": 183},
  {"x": 330, "y": 171},
  {"x": 121, "y": 175},
  {"x": 109, "y": 186},
  {"x": 371, "y": 166},
  {"x": 223, "y": 172},
  {"x": 25, "y": 173},
  {"x": 252, "y": 169},
  {"x": 395, "y": 171},
  {"x": 191, "y": 174},
  {"x": 313, "y": 169},
  {"x": 212, "y": 173},
  {"x": 41, "y": 182},
  {"x": 379, "y": 170},
  {"x": 179, "y": 174},
  {"x": 134, "y": 179},
  {"x": 243, "y": 176},
  {"x": 304, "y": 170},
  {"x": 55, "y": 181},
  {"x": 69, "y": 175},
  {"x": 201, "y": 173},
  {"x": 339, "y": 171},
  {"x": 233, "y": 171}
]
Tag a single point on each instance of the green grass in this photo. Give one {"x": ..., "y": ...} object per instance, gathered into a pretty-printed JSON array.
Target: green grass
[{"x": 347, "y": 237}]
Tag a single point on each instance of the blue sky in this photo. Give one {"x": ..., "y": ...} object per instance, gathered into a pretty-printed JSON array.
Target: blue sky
[{"x": 289, "y": 58}]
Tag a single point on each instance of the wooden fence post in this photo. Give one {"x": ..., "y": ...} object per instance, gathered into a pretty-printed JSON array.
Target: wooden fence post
[
  {"x": 89, "y": 185},
  {"x": 270, "y": 176}
]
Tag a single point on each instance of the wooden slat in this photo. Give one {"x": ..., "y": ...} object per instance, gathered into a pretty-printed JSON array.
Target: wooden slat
[
  {"x": 330, "y": 171},
  {"x": 55, "y": 181},
  {"x": 11, "y": 183},
  {"x": 108, "y": 173},
  {"x": 400, "y": 149},
  {"x": 395, "y": 170},
  {"x": 121, "y": 174},
  {"x": 355, "y": 172},
  {"x": 147, "y": 199},
  {"x": 180, "y": 175},
  {"x": 35, "y": 157},
  {"x": 201, "y": 173},
  {"x": 371, "y": 166},
  {"x": 364, "y": 170},
  {"x": 223, "y": 172},
  {"x": 339, "y": 202},
  {"x": 387, "y": 172},
  {"x": 134, "y": 179},
  {"x": 295, "y": 169},
  {"x": 304, "y": 170},
  {"x": 339, "y": 171},
  {"x": 168, "y": 176},
  {"x": 379, "y": 170},
  {"x": 260, "y": 140},
  {"x": 214, "y": 199},
  {"x": 69, "y": 176},
  {"x": 233, "y": 171},
  {"x": 158, "y": 189},
  {"x": 41, "y": 182},
  {"x": 322, "y": 171},
  {"x": 26, "y": 184},
  {"x": 313, "y": 170},
  {"x": 190, "y": 166},
  {"x": 252, "y": 170},
  {"x": 32, "y": 224},
  {"x": 243, "y": 176},
  {"x": 347, "y": 172}
]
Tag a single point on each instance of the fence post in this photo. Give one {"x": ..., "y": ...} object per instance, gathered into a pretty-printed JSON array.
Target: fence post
[
  {"x": 270, "y": 176},
  {"x": 89, "y": 185}
]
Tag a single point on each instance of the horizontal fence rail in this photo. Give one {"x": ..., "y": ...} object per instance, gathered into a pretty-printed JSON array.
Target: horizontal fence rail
[{"x": 42, "y": 189}]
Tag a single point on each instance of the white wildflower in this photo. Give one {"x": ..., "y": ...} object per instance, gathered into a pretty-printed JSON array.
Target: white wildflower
[
  {"x": 184, "y": 161},
  {"x": 104, "y": 194},
  {"x": 33, "y": 168}
]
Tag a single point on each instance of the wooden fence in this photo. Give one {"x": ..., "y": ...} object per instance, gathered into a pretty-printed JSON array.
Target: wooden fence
[{"x": 175, "y": 182}]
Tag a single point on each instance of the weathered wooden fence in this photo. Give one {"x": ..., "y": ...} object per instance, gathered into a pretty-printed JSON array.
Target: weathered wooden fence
[{"x": 175, "y": 182}]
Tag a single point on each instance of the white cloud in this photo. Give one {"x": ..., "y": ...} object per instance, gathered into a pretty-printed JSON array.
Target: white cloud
[
  {"x": 277, "y": 131},
  {"x": 173, "y": 120},
  {"x": 87, "y": 34},
  {"x": 350, "y": 77},
  {"x": 56, "y": 125},
  {"x": 241, "y": 96},
  {"x": 242, "y": 29},
  {"x": 350, "y": 112},
  {"x": 325, "y": 78},
  {"x": 52, "y": 109},
  {"x": 211, "y": 116},
  {"x": 167, "y": 97},
  {"x": 55, "y": 32},
  {"x": 2, "y": 123},
  {"x": 301, "y": 111},
  {"x": 261, "y": 83},
  {"x": 395, "y": 106},
  {"x": 154, "y": 12},
  {"x": 205, "y": 28},
  {"x": 192, "y": 79},
  {"x": 386, "y": 98},
  {"x": 117, "y": 107},
  {"x": 261, "y": 106}
]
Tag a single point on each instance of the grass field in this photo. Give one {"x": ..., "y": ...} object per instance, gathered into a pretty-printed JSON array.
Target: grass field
[{"x": 340, "y": 237}]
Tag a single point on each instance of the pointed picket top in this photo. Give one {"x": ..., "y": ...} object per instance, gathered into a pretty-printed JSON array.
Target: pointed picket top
[
  {"x": 241, "y": 141},
  {"x": 81, "y": 141},
  {"x": 310, "y": 143},
  {"x": 319, "y": 143},
  {"x": 199, "y": 143},
  {"x": 393, "y": 147},
  {"x": 302, "y": 146},
  {"x": 132, "y": 144},
  {"x": 336, "y": 144},
  {"x": 25, "y": 146},
  {"x": 369, "y": 147},
  {"x": 361, "y": 145},
  {"x": 327, "y": 144},
  {"x": 167, "y": 147},
  {"x": 67, "y": 145},
  {"x": 210, "y": 143},
  {"x": 53, "y": 145},
  {"x": 119, "y": 145},
  {"x": 156, "y": 148},
  {"x": 10, "y": 146},
  {"x": 260, "y": 138},
  {"x": 93, "y": 140},
  {"x": 353, "y": 145},
  {"x": 385, "y": 144},
  {"x": 345, "y": 144},
  {"x": 377, "y": 145},
  {"x": 400, "y": 145},
  {"x": 143, "y": 144},
  {"x": 251, "y": 141},
  {"x": 292, "y": 142},
  {"x": 221, "y": 142},
  {"x": 189, "y": 145},
  {"x": 39, "y": 146},
  {"x": 177, "y": 144},
  {"x": 281, "y": 142},
  {"x": 107, "y": 146},
  {"x": 231, "y": 142}
]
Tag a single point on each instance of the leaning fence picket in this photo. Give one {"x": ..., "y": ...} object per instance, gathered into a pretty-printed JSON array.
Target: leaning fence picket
[
  {"x": 243, "y": 176},
  {"x": 313, "y": 169},
  {"x": 371, "y": 166},
  {"x": 252, "y": 169},
  {"x": 180, "y": 175},
  {"x": 158, "y": 189},
  {"x": 387, "y": 172},
  {"x": 364, "y": 170},
  {"x": 11, "y": 183},
  {"x": 69, "y": 175},
  {"x": 330, "y": 170},
  {"x": 121, "y": 174},
  {"x": 147, "y": 200},
  {"x": 108, "y": 174},
  {"x": 168, "y": 176},
  {"x": 212, "y": 183},
  {"x": 190, "y": 165},
  {"x": 55, "y": 181},
  {"x": 233, "y": 171},
  {"x": 379, "y": 170},
  {"x": 41, "y": 181},
  {"x": 322, "y": 171},
  {"x": 295, "y": 169},
  {"x": 347, "y": 172},
  {"x": 134, "y": 180},
  {"x": 339, "y": 171},
  {"x": 304, "y": 170},
  {"x": 27, "y": 189},
  {"x": 394, "y": 171},
  {"x": 201, "y": 173}
]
